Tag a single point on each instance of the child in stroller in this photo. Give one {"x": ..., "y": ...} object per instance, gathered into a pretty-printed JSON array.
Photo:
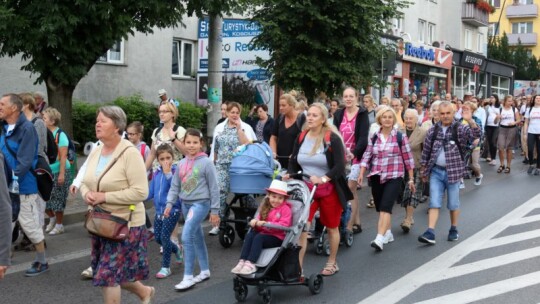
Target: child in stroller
[{"x": 274, "y": 210}]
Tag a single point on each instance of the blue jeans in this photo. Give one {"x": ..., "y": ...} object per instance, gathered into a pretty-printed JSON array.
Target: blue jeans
[
  {"x": 162, "y": 232},
  {"x": 193, "y": 236},
  {"x": 438, "y": 184}
]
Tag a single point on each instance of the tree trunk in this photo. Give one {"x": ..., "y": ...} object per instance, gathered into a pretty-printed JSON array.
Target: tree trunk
[{"x": 60, "y": 97}]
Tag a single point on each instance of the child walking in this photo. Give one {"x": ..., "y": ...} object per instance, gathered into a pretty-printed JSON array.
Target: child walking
[
  {"x": 196, "y": 185},
  {"x": 274, "y": 210},
  {"x": 166, "y": 218}
]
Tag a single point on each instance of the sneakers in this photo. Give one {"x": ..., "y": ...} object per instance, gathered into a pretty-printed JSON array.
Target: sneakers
[
  {"x": 185, "y": 284},
  {"x": 493, "y": 163},
  {"x": 378, "y": 243},
  {"x": 478, "y": 180},
  {"x": 238, "y": 267},
  {"x": 57, "y": 230},
  {"x": 36, "y": 269},
  {"x": 214, "y": 231},
  {"x": 388, "y": 237},
  {"x": 161, "y": 249},
  {"x": 536, "y": 171},
  {"x": 453, "y": 235},
  {"x": 203, "y": 276},
  {"x": 427, "y": 238},
  {"x": 530, "y": 170},
  {"x": 461, "y": 184},
  {"x": 248, "y": 268},
  {"x": 51, "y": 225},
  {"x": 371, "y": 204},
  {"x": 179, "y": 255},
  {"x": 87, "y": 273},
  {"x": 163, "y": 273}
]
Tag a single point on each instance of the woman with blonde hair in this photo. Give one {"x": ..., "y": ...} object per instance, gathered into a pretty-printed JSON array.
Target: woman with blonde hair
[
  {"x": 508, "y": 117},
  {"x": 326, "y": 166},
  {"x": 286, "y": 128},
  {"x": 387, "y": 162}
]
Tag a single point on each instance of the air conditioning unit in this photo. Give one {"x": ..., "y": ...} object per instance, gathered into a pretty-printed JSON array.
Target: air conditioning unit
[{"x": 439, "y": 44}]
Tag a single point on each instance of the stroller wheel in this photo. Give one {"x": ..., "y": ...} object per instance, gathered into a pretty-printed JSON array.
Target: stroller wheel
[
  {"x": 319, "y": 243},
  {"x": 349, "y": 238},
  {"x": 226, "y": 236},
  {"x": 240, "y": 290},
  {"x": 315, "y": 283},
  {"x": 266, "y": 295}
]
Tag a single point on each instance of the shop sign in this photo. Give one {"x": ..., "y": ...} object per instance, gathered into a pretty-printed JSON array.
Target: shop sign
[
  {"x": 427, "y": 55},
  {"x": 472, "y": 61}
]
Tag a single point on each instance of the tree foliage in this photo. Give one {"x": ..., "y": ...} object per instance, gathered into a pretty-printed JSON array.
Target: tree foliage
[
  {"x": 527, "y": 66},
  {"x": 61, "y": 40},
  {"x": 521, "y": 60},
  {"x": 320, "y": 45}
]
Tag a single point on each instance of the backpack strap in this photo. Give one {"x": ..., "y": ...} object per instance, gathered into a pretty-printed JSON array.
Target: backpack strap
[
  {"x": 456, "y": 139},
  {"x": 399, "y": 139},
  {"x": 143, "y": 149},
  {"x": 327, "y": 143},
  {"x": 302, "y": 136},
  {"x": 34, "y": 120}
]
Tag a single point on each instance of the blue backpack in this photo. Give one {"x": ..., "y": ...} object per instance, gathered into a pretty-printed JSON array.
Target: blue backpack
[{"x": 71, "y": 146}]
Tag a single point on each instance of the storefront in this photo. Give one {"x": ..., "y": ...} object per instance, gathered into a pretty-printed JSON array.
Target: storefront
[
  {"x": 475, "y": 73},
  {"x": 425, "y": 70}
]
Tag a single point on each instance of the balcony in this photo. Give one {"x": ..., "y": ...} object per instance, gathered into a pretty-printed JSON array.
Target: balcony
[
  {"x": 529, "y": 39},
  {"x": 473, "y": 16},
  {"x": 522, "y": 11}
]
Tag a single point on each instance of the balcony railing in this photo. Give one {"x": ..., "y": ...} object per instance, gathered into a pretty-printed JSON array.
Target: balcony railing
[
  {"x": 526, "y": 39},
  {"x": 472, "y": 15},
  {"x": 522, "y": 11}
]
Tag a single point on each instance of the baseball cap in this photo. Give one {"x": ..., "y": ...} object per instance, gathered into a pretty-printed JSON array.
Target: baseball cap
[{"x": 162, "y": 92}]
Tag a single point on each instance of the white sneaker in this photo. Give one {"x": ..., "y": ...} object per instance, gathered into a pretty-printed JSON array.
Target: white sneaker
[
  {"x": 57, "y": 230},
  {"x": 51, "y": 225},
  {"x": 214, "y": 231},
  {"x": 478, "y": 180},
  {"x": 201, "y": 277},
  {"x": 87, "y": 273},
  {"x": 378, "y": 243},
  {"x": 388, "y": 237},
  {"x": 185, "y": 284},
  {"x": 461, "y": 185}
]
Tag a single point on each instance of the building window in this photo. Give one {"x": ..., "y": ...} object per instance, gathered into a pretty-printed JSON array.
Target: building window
[
  {"x": 115, "y": 54},
  {"x": 495, "y": 3},
  {"x": 523, "y": 2},
  {"x": 431, "y": 33},
  {"x": 480, "y": 43},
  {"x": 493, "y": 29},
  {"x": 522, "y": 28},
  {"x": 421, "y": 30},
  {"x": 468, "y": 39},
  {"x": 182, "y": 58},
  {"x": 397, "y": 26},
  {"x": 500, "y": 85}
]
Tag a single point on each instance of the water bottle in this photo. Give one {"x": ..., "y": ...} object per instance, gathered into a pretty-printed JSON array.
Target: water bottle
[{"x": 14, "y": 184}]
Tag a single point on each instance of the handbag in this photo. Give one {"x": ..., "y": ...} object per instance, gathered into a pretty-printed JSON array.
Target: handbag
[
  {"x": 323, "y": 190},
  {"x": 42, "y": 172},
  {"x": 102, "y": 223}
]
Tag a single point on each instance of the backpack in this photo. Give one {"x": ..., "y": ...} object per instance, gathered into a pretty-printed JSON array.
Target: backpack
[
  {"x": 156, "y": 132},
  {"x": 454, "y": 137},
  {"x": 143, "y": 149},
  {"x": 71, "y": 155},
  {"x": 52, "y": 148},
  {"x": 399, "y": 139},
  {"x": 300, "y": 119}
]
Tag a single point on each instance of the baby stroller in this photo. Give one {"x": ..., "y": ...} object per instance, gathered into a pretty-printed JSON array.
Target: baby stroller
[
  {"x": 252, "y": 170},
  {"x": 280, "y": 266},
  {"x": 322, "y": 245}
]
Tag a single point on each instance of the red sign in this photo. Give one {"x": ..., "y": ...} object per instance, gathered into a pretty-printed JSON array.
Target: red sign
[{"x": 443, "y": 58}]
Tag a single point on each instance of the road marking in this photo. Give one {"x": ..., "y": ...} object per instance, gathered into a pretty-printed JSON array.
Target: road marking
[
  {"x": 52, "y": 260},
  {"x": 430, "y": 272}
]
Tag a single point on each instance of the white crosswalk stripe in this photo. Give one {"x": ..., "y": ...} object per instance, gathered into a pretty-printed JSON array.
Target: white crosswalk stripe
[{"x": 442, "y": 267}]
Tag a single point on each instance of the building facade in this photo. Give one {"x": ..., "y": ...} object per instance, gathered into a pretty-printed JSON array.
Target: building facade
[{"x": 143, "y": 64}]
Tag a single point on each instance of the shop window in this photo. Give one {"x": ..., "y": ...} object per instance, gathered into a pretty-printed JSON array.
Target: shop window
[
  {"x": 522, "y": 27},
  {"x": 421, "y": 30},
  {"x": 500, "y": 86},
  {"x": 182, "y": 58},
  {"x": 115, "y": 54}
]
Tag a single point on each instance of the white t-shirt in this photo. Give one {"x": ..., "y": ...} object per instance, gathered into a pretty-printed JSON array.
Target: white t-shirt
[
  {"x": 534, "y": 120},
  {"x": 508, "y": 117},
  {"x": 492, "y": 112}
]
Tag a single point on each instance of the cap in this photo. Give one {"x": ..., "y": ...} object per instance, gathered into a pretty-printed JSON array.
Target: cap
[
  {"x": 278, "y": 187},
  {"x": 469, "y": 93},
  {"x": 162, "y": 92}
]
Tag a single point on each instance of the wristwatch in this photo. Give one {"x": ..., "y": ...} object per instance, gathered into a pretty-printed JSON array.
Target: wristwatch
[{"x": 324, "y": 179}]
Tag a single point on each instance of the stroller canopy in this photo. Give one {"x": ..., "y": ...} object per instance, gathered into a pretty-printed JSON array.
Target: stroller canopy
[{"x": 256, "y": 159}]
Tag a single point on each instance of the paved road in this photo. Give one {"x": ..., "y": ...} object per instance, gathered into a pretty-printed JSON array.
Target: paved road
[{"x": 495, "y": 261}]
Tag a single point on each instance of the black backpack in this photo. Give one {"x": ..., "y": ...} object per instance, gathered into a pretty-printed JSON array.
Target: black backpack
[{"x": 52, "y": 149}]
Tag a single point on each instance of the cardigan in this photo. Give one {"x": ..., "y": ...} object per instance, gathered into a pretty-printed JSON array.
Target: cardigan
[
  {"x": 124, "y": 184},
  {"x": 416, "y": 142},
  {"x": 335, "y": 158},
  {"x": 361, "y": 129}
]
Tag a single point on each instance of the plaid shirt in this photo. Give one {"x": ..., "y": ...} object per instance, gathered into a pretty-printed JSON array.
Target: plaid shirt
[
  {"x": 388, "y": 161},
  {"x": 454, "y": 164}
]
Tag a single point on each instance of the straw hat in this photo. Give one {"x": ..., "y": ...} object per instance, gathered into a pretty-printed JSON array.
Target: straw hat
[{"x": 278, "y": 187}]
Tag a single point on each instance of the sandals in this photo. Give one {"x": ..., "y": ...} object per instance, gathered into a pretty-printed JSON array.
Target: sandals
[
  {"x": 507, "y": 170},
  {"x": 501, "y": 169},
  {"x": 330, "y": 269},
  {"x": 356, "y": 229}
]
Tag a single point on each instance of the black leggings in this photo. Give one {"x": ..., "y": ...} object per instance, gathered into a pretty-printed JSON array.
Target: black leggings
[
  {"x": 491, "y": 139},
  {"x": 385, "y": 195},
  {"x": 532, "y": 141}
]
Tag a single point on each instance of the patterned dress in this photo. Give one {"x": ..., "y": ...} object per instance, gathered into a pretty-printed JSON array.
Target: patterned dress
[{"x": 226, "y": 142}]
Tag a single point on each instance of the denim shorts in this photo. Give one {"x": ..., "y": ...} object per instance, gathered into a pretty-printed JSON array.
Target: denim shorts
[{"x": 438, "y": 184}]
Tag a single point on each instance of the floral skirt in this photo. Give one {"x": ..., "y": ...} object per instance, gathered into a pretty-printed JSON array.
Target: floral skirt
[
  {"x": 59, "y": 194},
  {"x": 115, "y": 263}
]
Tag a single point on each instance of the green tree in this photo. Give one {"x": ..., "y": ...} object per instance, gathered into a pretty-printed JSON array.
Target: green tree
[
  {"x": 521, "y": 60},
  {"x": 505, "y": 52},
  {"x": 493, "y": 48},
  {"x": 320, "y": 45},
  {"x": 534, "y": 69},
  {"x": 61, "y": 40}
]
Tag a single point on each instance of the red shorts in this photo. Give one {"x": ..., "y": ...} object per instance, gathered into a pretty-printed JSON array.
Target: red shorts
[{"x": 330, "y": 210}]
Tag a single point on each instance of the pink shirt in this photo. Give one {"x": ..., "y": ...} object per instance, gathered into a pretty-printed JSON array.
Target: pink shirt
[
  {"x": 347, "y": 131},
  {"x": 280, "y": 215}
]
